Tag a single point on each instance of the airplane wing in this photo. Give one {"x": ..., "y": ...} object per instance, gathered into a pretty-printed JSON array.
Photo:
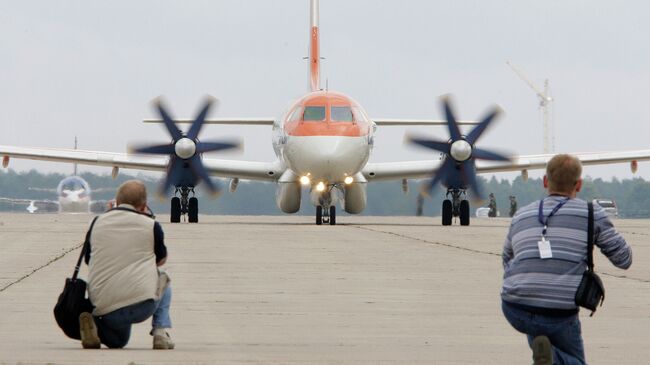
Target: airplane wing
[
  {"x": 17, "y": 201},
  {"x": 250, "y": 170},
  {"x": 424, "y": 169}
]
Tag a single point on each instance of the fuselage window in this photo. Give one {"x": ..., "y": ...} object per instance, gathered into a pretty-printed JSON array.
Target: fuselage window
[
  {"x": 341, "y": 114},
  {"x": 314, "y": 113}
]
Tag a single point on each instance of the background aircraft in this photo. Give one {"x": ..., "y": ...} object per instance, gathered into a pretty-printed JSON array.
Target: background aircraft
[
  {"x": 74, "y": 196},
  {"x": 323, "y": 142}
]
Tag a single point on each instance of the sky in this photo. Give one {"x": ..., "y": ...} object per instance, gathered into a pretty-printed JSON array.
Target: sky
[{"x": 91, "y": 68}]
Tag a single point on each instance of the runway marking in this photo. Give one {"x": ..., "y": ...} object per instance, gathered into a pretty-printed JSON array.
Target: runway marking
[{"x": 53, "y": 260}]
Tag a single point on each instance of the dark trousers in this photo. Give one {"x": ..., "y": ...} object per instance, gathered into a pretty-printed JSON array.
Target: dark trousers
[{"x": 563, "y": 332}]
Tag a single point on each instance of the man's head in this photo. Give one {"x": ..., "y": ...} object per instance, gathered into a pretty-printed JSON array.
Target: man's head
[
  {"x": 563, "y": 175},
  {"x": 132, "y": 192}
]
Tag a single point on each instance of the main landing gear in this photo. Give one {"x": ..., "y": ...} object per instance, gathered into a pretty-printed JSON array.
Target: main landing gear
[
  {"x": 326, "y": 215},
  {"x": 458, "y": 206},
  {"x": 184, "y": 205}
]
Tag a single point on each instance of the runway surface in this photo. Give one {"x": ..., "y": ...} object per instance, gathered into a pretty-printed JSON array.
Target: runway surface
[{"x": 280, "y": 290}]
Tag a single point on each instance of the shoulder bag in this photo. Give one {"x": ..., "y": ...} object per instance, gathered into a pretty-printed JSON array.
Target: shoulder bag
[
  {"x": 591, "y": 291},
  {"x": 72, "y": 301}
]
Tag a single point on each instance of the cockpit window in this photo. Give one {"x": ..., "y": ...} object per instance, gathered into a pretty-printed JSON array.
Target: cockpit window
[
  {"x": 314, "y": 113},
  {"x": 341, "y": 114},
  {"x": 296, "y": 114}
]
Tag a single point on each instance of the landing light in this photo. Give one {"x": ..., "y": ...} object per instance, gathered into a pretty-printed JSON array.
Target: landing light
[
  {"x": 320, "y": 186},
  {"x": 305, "y": 180},
  {"x": 348, "y": 180}
]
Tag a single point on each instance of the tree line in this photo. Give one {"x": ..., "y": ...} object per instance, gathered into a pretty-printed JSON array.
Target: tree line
[{"x": 384, "y": 198}]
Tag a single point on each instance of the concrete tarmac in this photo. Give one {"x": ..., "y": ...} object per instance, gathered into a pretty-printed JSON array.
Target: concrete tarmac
[{"x": 281, "y": 290}]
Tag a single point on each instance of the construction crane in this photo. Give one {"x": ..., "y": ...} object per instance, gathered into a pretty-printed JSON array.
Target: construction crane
[{"x": 544, "y": 105}]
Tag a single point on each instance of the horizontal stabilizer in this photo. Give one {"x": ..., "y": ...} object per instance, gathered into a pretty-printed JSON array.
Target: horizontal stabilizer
[
  {"x": 225, "y": 121},
  {"x": 416, "y": 122}
]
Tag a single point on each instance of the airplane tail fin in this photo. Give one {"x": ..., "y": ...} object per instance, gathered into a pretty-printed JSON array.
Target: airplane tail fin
[{"x": 314, "y": 47}]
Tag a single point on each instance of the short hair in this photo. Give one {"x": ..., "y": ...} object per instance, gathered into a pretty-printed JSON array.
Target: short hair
[
  {"x": 132, "y": 192},
  {"x": 563, "y": 171}
]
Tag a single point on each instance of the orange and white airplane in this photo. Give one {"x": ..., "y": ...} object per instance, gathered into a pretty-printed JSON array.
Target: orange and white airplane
[{"x": 323, "y": 143}]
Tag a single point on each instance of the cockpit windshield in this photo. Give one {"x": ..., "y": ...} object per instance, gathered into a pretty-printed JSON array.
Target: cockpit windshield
[
  {"x": 314, "y": 113},
  {"x": 341, "y": 114}
]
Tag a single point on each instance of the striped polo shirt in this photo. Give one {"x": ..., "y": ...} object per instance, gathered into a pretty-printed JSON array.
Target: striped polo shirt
[{"x": 551, "y": 283}]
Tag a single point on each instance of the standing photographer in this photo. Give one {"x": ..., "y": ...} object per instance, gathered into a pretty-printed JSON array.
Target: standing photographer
[{"x": 544, "y": 257}]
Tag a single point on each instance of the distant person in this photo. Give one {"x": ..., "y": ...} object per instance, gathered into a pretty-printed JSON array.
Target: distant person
[
  {"x": 543, "y": 269},
  {"x": 124, "y": 283},
  {"x": 420, "y": 205},
  {"x": 513, "y": 206},
  {"x": 493, "y": 206}
]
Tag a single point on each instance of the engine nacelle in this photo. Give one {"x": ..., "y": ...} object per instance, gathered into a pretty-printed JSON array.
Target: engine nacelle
[
  {"x": 288, "y": 196},
  {"x": 634, "y": 166},
  {"x": 524, "y": 175},
  {"x": 355, "y": 198}
]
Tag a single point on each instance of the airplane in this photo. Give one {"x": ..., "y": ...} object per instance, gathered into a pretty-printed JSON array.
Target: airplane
[
  {"x": 74, "y": 196},
  {"x": 323, "y": 143}
]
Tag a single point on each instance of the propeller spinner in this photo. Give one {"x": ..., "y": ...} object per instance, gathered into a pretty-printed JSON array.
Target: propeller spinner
[
  {"x": 185, "y": 150},
  {"x": 460, "y": 152}
]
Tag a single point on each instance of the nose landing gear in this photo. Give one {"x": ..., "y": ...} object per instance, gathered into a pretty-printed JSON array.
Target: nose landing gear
[
  {"x": 458, "y": 206},
  {"x": 326, "y": 215},
  {"x": 184, "y": 205}
]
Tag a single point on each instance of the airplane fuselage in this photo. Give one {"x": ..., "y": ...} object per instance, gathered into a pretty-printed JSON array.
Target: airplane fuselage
[{"x": 325, "y": 136}]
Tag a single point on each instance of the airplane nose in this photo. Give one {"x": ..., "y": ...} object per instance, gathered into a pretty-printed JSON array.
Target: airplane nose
[{"x": 327, "y": 158}]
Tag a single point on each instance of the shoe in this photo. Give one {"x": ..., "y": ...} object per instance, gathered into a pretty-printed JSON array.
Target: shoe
[
  {"x": 88, "y": 331},
  {"x": 161, "y": 340},
  {"x": 542, "y": 352}
]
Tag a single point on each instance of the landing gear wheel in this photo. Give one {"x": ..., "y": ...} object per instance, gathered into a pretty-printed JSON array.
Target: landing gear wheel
[
  {"x": 193, "y": 210},
  {"x": 446, "y": 212},
  {"x": 319, "y": 215},
  {"x": 332, "y": 215},
  {"x": 175, "y": 214},
  {"x": 464, "y": 213}
]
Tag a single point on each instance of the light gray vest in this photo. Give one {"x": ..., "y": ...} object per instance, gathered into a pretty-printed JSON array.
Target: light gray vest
[{"x": 122, "y": 268}]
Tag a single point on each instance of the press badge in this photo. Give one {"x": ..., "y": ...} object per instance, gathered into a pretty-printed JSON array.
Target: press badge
[{"x": 544, "y": 249}]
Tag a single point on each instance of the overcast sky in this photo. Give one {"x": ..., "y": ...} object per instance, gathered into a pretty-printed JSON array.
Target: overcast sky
[{"x": 91, "y": 68}]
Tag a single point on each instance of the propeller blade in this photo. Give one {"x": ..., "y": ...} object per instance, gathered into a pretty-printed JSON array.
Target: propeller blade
[
  {"x": 425, "y": 189},
  {"x": 169, "y": 122},
  {"x": 429, "y": 143},
  {"x": 163, "y": 149},
  {"x": 468, "y": 171},
  {"x": 199, "y": 170},
  {"x": 454, "y": 131},
  {"x": 488, "y": 155},
  {"x": 202, "y": 147},
  {"x": 193, "y": 133},
  {"x": 476, "y": 133},
  {"x": 174, "y": 173}
]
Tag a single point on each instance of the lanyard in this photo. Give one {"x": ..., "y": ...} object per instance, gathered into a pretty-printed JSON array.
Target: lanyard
[{"x": 544, "y": 220}]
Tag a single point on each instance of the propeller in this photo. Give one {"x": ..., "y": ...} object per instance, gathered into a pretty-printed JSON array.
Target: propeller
[
  {"x": 460, "y": 152},
  {"x": 185, "y": 149}
]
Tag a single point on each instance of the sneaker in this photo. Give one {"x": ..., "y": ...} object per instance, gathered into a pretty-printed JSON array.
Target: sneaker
[
  {"x": 162, "y": 340},
  {"x": 542, "y": 352},
  {"x": 88, "y": 331}
]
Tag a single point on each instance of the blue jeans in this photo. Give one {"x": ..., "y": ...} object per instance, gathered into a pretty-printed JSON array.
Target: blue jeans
[
  {"x": 563, "y": 332},
  {"x": 114, "y": 328}
]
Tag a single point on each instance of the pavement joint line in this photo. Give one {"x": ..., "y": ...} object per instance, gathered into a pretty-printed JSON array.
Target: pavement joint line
[
  {"x": 50, "y": 262},
  {"x": 624, "y": 277},
  {"x": 490, "y": 253}
]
